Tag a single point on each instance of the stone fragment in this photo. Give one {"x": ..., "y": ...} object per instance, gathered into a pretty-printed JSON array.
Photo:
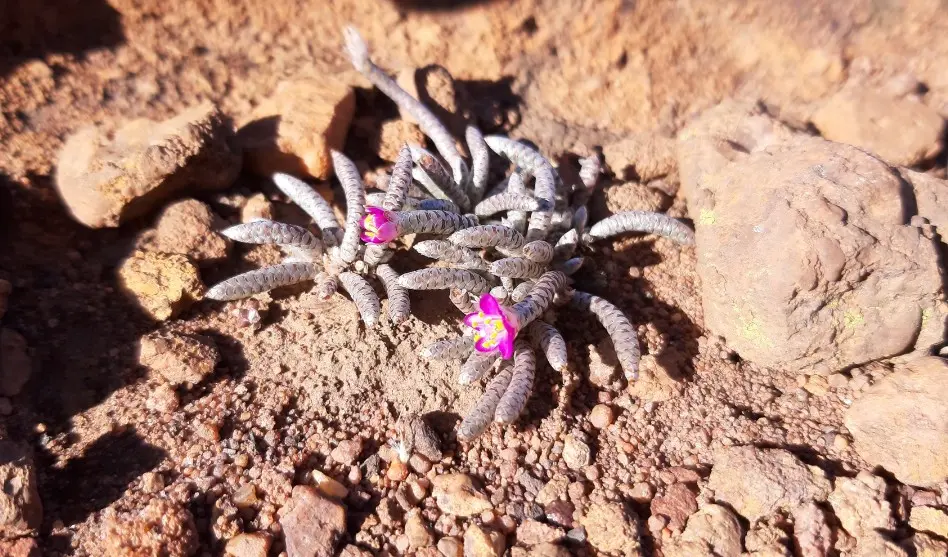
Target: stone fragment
[
  {"x": 417, "y": 436},
  {"x": 107, "y": 181},
  {"x": 929, "y": 519},
  {"x": 190, "y": 228},
  {"x": 901, "y": 131},
  {"x": 808, "y": 261},
  {"x": 758, "y": 482},
  {"x": 419, "y": 535},
  {"x": 257, "y": 207},
  {"x": 481, "y": 542},
  {"x": 450, "y": 547},
  {"x": 610, "y": 527},
  {"x": 923, "y": 545},
  {"x": 256, "y": 544},
  {"x": 180, "y": 359},
  {"x": 534, "y": 532},
  {"x": 601, "y": 416},
  {"x": 861, "y": 506},
  {"x": 328, "y": 486},
  {"x": 714, "y": 529},
  {"x": 677, "y": 505},
  {"x": 294, "y": 130},
  {"x": 16, "y": 365},
  {"x": 162, "y": 528},
  {"x": 21, "y": 510},
  {"x": 456, "y": 494},
  {"x": 312, "y": 524},
  {"x": 348, "y": 451},
  {"x": 163, "y": 284},
  {"x": 553, "y": 490},
  {"x": 435, "y": 88},
  {"x": 901, "y": 422},
  {"x": 20, "y": 547},
  {"x": 576, "y": 453},
  {"x": 931, "y": 199},
  {"x": 811, "y": 531}
]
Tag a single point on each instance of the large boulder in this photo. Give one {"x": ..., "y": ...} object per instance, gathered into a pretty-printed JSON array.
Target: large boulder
[
  {"x": 901, "y": 422},
  {"x": 806, "y": 258}
]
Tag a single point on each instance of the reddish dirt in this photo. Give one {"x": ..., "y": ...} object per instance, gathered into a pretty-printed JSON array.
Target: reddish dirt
[{"x": 284, "y": 396}]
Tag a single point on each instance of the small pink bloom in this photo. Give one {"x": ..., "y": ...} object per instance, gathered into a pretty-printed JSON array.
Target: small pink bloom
[
  {"x": 494, "y": 327},
  {"x": 378, "y": 226}
]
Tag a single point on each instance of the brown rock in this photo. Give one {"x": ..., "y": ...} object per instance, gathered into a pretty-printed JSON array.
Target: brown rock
[
  {"x": 576, "y": 453},
  {"x": 188, "y": 227},
  {"x": 328, "y": 486},
  {"x": 456, "y": 494},
  {"x": 450, "y": 547},
  {"x": 900, "y": 130},
  {"x": 901, "y": 422},
  {"x": 601, "y": 416},
  {"x": 713, "y": 529},
  {"x": 294, "y": 130},
  {"x": 931, "y": 198},
  {"x": 346, "y": 452},
  {"x": 931, "y": 520},
  {"x": 481, "y": 542},
  {"x": 21, "y": 509},
  {"x": 416, "y": 435},
  {"x": 5, "y": 289},
  {"x": 163, "y": 284},
  {"x": 257, "y": 207},
  {"x": 16, "y": 365},
  {"x": 417, "y": 531},
  {"x": 677, "y": 504},
  {"x": 107, "y": 181},
  {"x": 553, "y": 490},
  {"x": 610, "y": 527},
  {"x": 21, "y": 547},
  {"x": 312, "y": 524},
  {"x": 923, "y": 545},
  {"x": 533, "y": 532},
  {"x": 811, "y": 531},
  {"x": 758, "y": 482},
  {"x": 179, "y": 358},
  {"x": 644, "y": 156},
  {"x": 393, "y": 134},
  {"x": 256, "y": 544},
  {"x": 791, "y": 231},
  {"x": 861, "y": 506},
  {"x": 161, "y": 528}
]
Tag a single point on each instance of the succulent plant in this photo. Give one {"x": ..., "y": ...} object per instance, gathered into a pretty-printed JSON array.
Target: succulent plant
[{"x": 505, "y": 255}]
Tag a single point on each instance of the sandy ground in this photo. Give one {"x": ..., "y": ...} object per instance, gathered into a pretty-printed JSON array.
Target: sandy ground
[{"x": 283, "y": 397}]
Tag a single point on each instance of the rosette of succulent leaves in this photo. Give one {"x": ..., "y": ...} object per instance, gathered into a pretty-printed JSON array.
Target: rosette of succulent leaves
[{"x": 505, "y": 254}]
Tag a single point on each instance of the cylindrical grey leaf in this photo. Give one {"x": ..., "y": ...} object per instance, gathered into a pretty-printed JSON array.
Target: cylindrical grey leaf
[
  {"x": 538, "y": 251},
  {"x": 399, "y": 181},
  {"x": 439, "y": 278},
  {"x": 355, "y": 204},
  {"x": 551, "y": 343},
  {"x": 540, "y": 297},
  {"x": 480, "y": 163},
  {"x": 363, "y": 295},
  {"x": 517, "y": 267},
  {"x": 620, "y": 330},
  {"x": 482, "y": 414},
  {"x": 451, "y": 349},
  {"x": 643, "y": 221},
  {"x": 443, "y": 250},
  {"x": 261, "y": 280},
  {"x": 312, "y": 204},
  {"x": 518, "y": 390},
  {"x": 399, "y": 305},
  {"x": 488, "y": 236},
  {"x": 507, "y": 201}
]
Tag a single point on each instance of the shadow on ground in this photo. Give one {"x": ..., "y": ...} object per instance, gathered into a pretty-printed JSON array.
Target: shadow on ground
[{"x": 35, "y": 28}]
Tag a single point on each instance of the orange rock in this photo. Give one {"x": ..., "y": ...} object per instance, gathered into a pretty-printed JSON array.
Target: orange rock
[{"x": 296, "y": 127}]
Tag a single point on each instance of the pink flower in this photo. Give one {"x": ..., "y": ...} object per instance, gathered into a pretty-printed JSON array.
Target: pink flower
[
  {"x": 378, "y": 226},
  {"x": 494, "y": 327}
]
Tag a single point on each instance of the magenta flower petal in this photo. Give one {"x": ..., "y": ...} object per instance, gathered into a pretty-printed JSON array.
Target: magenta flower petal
[
  {"x": 506, "y": 347},
  {"x": 387, "y": 232},
  {"x": 378, "y": 226}
]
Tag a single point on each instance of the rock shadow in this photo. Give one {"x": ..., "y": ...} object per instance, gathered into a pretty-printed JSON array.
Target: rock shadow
[
  {"x": 438, "y": 5},
  {"x": 98, "y": 478},
  {"x": 31, "y": 29}
]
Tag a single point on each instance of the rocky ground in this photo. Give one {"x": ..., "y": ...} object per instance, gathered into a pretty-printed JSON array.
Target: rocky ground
[{"x": 791, "y": 400}]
